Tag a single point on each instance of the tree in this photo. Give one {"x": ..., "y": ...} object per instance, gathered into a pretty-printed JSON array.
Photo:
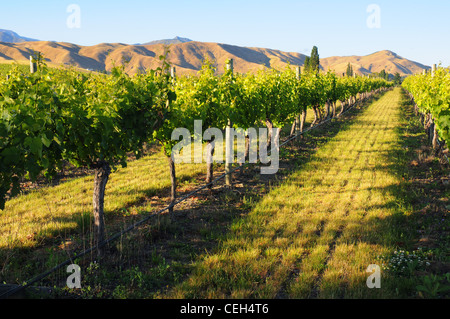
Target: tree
[
  {"x": 384, "y": 75},
  {"x": 306, "y": 65},
  {"x": 314, "y": 63},
  {"x": 349, "y": 70},
  {"x": 398, "y": 79}
]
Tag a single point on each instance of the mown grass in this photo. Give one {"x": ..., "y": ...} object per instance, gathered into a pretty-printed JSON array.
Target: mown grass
[
  {"x": 41, "y": 227},
  {"x": 316, "y": 234},
  {"x": 61, "y": 215},
  {"x": 312, "y": 236}
]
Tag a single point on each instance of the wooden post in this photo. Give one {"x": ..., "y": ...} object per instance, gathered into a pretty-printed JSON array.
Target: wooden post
[
  {"x": 33, "y": 66},
  {"x": 298, "y": 74},
  {"x": 432, "y": 129},
  {"x": 229, "y": 155},
  {"x": 230, "y": 65},
  {"x": 228, "y": 141},
  {"x": 173, "y": 178}
]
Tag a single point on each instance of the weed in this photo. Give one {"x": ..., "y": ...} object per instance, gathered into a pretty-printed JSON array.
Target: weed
[{"x": 434, "y": 286}]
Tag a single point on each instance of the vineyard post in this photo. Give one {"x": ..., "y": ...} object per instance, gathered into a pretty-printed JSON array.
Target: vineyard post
[
  {"x": 296, "y": 125},
  {"x": 173, "y": 178},
  {"x": 298, "y": 75},
  {"x": 302, "y": 116},
  {"x": 229, "y": 140},
  {"x": 33, "y": 65},
  {"x": 433, "y": 130}
]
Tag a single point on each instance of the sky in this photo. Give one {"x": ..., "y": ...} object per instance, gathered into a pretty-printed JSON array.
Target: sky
[{"x": 416, "y": 30}]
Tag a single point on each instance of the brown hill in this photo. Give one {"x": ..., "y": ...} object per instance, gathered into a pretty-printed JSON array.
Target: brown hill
[
  {"x": 188, "y": 57},
  {"x": 376, "y": 62}
]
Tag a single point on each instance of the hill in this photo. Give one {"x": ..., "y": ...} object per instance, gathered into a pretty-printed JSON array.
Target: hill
[
  {"x": 376, "y": 62},
  {"x": 189, "y": 56},
  {"x": 175, "y": 40},
  {"x": 12, "y": 37}
]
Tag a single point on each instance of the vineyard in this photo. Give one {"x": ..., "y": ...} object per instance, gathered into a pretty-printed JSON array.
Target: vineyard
[
  {"x": 431, "y": 95},
  {"x": 88, "y": 177}
]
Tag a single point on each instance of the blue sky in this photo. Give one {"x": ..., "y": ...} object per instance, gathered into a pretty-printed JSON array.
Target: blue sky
[{"x": 417, "y": 30}]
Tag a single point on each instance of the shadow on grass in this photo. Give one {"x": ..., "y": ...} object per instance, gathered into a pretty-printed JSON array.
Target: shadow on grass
[
  {"x": 420, "y": 221},
  {"x": 160, "y": 254},
  {"x": 394, "y": 231}
]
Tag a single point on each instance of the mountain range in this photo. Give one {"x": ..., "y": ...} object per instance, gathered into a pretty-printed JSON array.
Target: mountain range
[
  {"x": 175, "y": 40},
  {"x": 12, "y": 37},
  {"x": 188, "y": 56}
]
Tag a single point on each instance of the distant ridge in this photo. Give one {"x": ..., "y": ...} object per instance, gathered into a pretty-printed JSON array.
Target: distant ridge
[
  {"x": 386, "y": 60},
  {"x": 175, "y": 40},
  {"x": 9, "y": 36},
  {"x": 188, "y": 57}
]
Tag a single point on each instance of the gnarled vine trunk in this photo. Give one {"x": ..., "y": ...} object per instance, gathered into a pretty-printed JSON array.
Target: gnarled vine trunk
[
  {"x": 210, "y": 161},
  {"x": 342, "y": 108},
  {"x": 303, "y": 120},
  {"x": 173, "y": 180},
  {"x": 269, "y": 125},
  {"x": 316, "y": 116},
  {"x": 102, "y": 170},
  {"x": 327, "y": 114}
]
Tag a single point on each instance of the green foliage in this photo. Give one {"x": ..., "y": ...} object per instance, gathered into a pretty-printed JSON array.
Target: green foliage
[
  {"x": 432, "y": 96},
  {"x": 349, "y": 70},
  {"x": 90, "y": 118},
  {"x": 6, "y": 69},
  {"x": 29, "y": 144},
  {"x": 434, "y": 286},
  {"x": 382, "y": 74},
  {"x": 398, "y": 79},
  {"x": 86, "y": 119},
  {"x": 312, "y": 63},
  {"x": 405, "y": 263},
  {"x": 306, "y": 64}
]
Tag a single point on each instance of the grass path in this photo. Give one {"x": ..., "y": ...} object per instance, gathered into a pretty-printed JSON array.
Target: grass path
[{"x": 316, "y": 234}]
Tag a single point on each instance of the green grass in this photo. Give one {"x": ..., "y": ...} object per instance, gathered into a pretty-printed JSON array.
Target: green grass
[
  {"x": 53, "y": 215},
  {"x": 316, "y": 234},
  {"x": 347, "y": 205}
]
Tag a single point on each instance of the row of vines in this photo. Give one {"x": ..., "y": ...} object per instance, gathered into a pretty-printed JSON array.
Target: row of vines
[
  {"x": 95, "y": 120},
  {"x": 431, "y": 94}
]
